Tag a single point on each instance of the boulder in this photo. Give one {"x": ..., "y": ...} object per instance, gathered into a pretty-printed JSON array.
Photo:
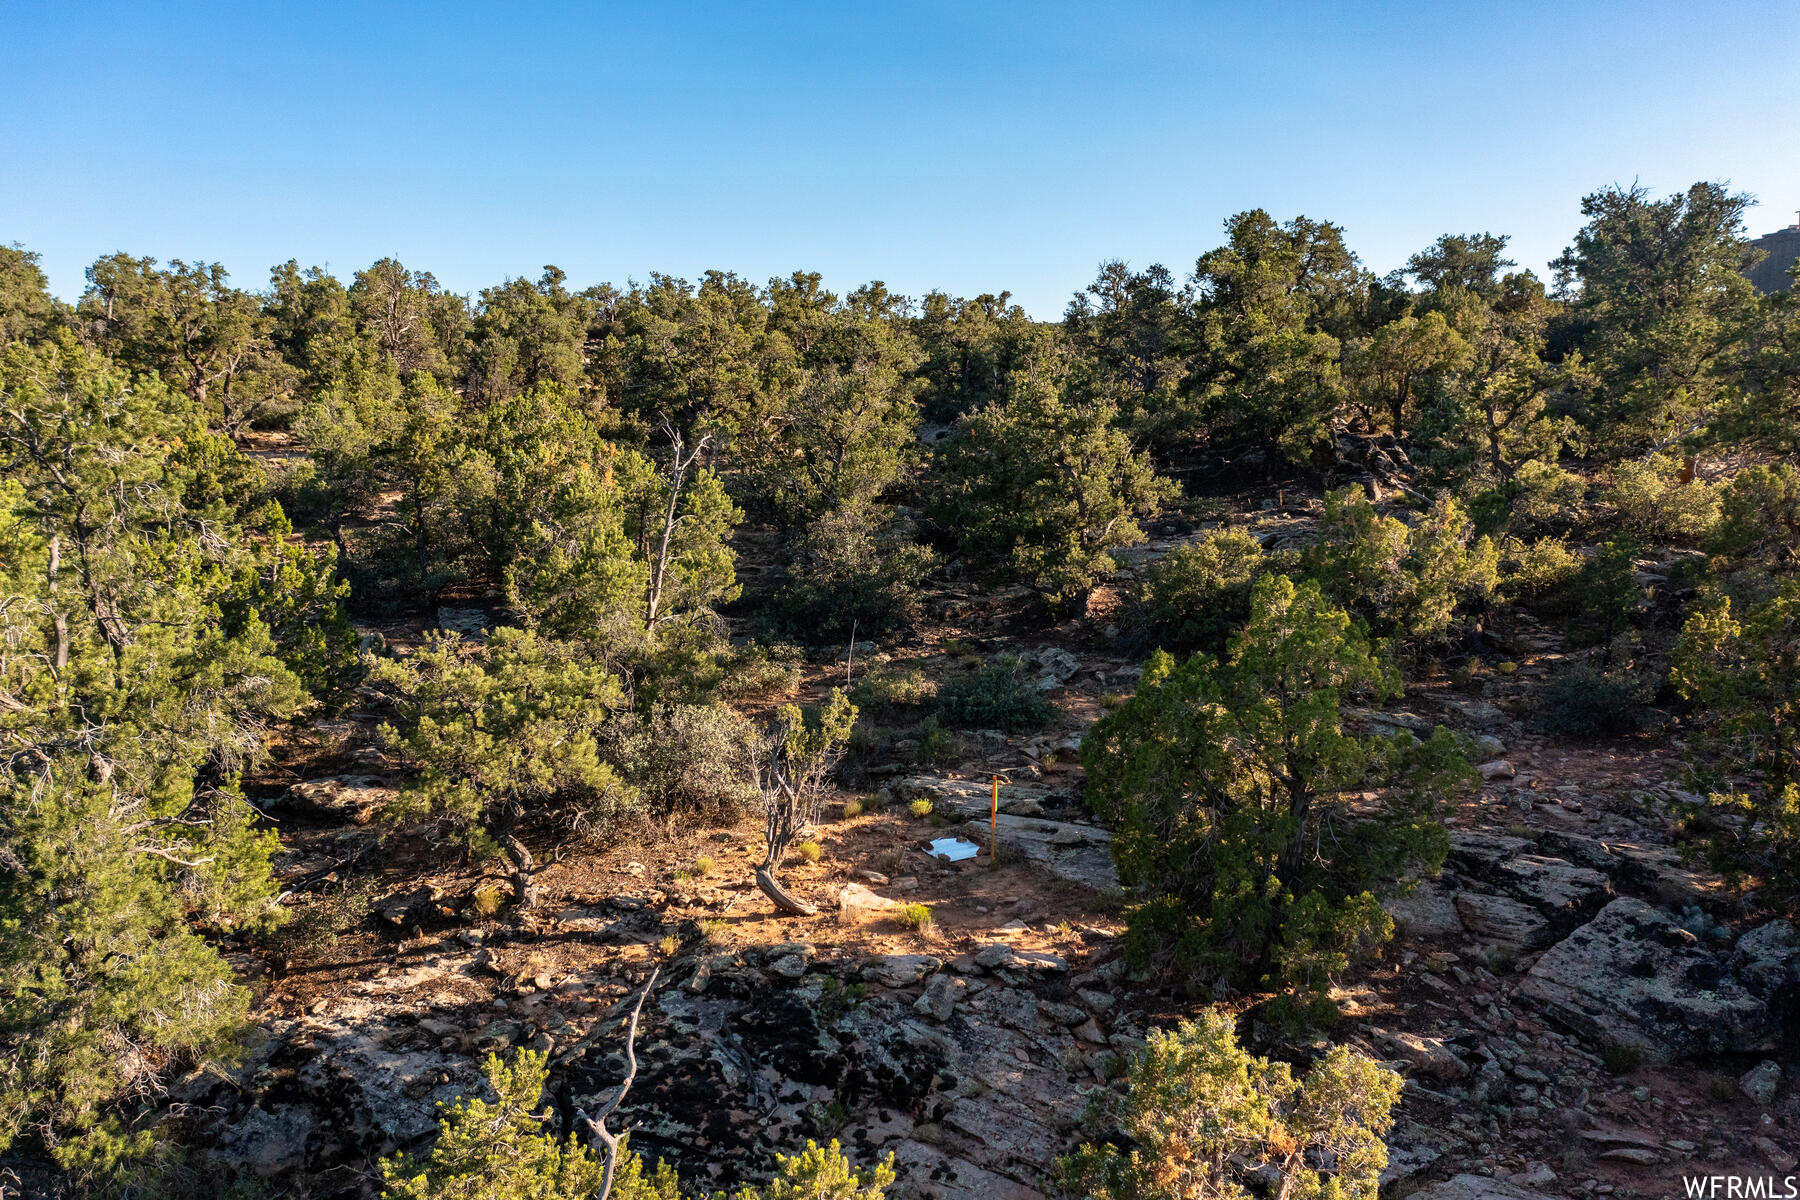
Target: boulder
[
  {"x": 1475, "y": 1187},
  {"x": 1767, "y": 959},
  {"x": 857, "y": 902},
  {"x": 900, "y": 970},
  {"x": 1054, "y": 667},
  {"x": 1761, "y": 1082},
  {"x": 1503, "y": 921},
  {"x": 1555, "y": 887},
  {"x": 1497, "y": 768},
  {"x": 1002, "y": 957},
  {"x": 1480, "y": 853},
  {"x": 1429, "y": 910},
  {"x": 1067, "y": 850},
  {"x": 1633, "y": 975},
  {"x": 355, "y": 798},
  {"x": 940, "y": 996},
  {"x": 471, "y": 623},
  {"x": 1427, "y": 1055}
]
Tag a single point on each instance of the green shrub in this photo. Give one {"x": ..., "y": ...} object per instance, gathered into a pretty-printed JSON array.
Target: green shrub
[
  {"x": 1585, "y": 703},
  {"x": 498, "y": 1149},
  {"x": 852, "y": 809},
  {"x": 1656, "y": 506},
  {"x": 887, "y": 690},
  {"x": 1220, "y": 777},
  {"x": 1539, "y": 574},
  {"x": 1742, "y": 674},
  {"x": 489, "y": 899},
  {"x": 916, "y": 917},
  {"x": 1204, "y": 1118},
  {"x": 1607, "y": 595},
  {"x": 1621, "y": 1058},
  {"x": 921, "y": 808},
  {"x": 762, "y": 670},
  {"x": 1540, "y": 496},
  {"x": 1408, "y": 580},
  {"x": 1198, "y": 594},
  {"x": 1759, "y": 520},
  {"x": 937, "y": 745},
  {"x": 686, "y": 757},
  {"x": 810, "y": 851},
  {"x": 995, "y": 697}
]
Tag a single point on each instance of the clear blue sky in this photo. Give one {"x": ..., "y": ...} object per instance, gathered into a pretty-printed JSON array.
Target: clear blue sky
[{"x": 967, "y": 146}]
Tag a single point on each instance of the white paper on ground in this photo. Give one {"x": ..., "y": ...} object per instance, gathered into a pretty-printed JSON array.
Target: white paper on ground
[{"x": 954, "y": 849}]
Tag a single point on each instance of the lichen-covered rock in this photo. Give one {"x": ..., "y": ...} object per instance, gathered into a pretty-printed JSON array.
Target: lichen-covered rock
[
  {"x": 1633, "y": 975},
  {"x": 1559, "y": 889},
  {"x": 354, "y": 798},
  {"x": 1429, "y": 910},
  {"x": 900, "y": 970},
  {"x": 1767, "y": 959},
  {"x": 1476, "y": 1187},
  {"x": 1427, "y": 1055},
  {"x": 1503, "y": 921}
]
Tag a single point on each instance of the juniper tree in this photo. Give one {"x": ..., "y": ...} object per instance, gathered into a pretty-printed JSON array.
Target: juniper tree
[
  {"x": 156, "y": 620},
  {"x": 1236, "y": 793}
]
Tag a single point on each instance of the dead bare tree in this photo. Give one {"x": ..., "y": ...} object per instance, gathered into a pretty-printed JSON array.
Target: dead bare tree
[
  {"x": 791, "y": 770},
  {"x": 596, "y": 1124},
  {"x": 681, "y": 458}
]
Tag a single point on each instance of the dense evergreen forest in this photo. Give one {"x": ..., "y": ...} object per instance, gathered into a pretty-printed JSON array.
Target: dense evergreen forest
[{"x": 607, "y": 565}]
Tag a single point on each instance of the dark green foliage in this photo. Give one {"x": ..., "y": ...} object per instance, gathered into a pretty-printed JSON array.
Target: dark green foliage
[
  {"x": 497, "y": 1150},
  {"x": 995, "y": 697},
  {"x": 1413, "y": 580},
  {"x": 1224, "y": 778},
  {"x": 495, "y": 730},
  {"x": 1743, "y": 676},
  {"x": 1607, "y": 594},
  {"x": 1197, "y": 594},
  {"x": 1046, "y": 484},
  {"x": 156, "y": 619},
  {"x": 1584, "y": 703},
  {"x": 1666, "y": 304}
]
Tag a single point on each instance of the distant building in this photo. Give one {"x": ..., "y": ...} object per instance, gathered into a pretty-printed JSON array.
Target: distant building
[{"x": 1783, "y": 249}]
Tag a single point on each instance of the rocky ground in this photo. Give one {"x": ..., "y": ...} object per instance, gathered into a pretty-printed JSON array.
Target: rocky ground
[{"x": 1577, "y": 1012}]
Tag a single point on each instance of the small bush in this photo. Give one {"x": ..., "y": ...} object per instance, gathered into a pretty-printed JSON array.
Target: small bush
[
  {"x": 1196, "y": 595},
  {"x": 318, "y": 926},
  {"x": 1655, "y": 505},
  {"x": 852, "y": 809},
  {"x": 692, "y": 757},
  {"x": 1112, "y": 700},
  {"x": 1201, "y": 1114},
  {"x": 1590, "y": 704},
  {"x": 888, "y": 690},
  {"x": 489, "y": 898},
  {"x": 810, "y": 851},
  {"x": 1760, "y": 516},
  {"x": 937, "y": 745},
  {"x": 916, "y": 917},
  {"x": 704, "y": 865},
  {"x": 1539, "y": 574},
  {"x": 1621, "y": 1058},
  {"x": 762, "y": 670},
  {"x": 996, "y": 697},
  {"x": 920, "y": 808},
  {"x": 668, "y": 945}
]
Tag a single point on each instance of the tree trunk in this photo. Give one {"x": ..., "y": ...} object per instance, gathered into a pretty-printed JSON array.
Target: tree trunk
[
  {"x": 765, "y": 879},
  {"x": 525, "y": 889}
]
